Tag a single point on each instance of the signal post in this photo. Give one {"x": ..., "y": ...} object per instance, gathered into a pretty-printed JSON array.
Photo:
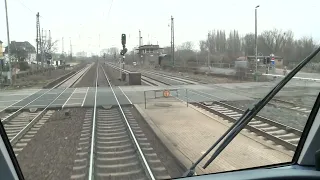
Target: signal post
[{"x": 122, "y": 53}]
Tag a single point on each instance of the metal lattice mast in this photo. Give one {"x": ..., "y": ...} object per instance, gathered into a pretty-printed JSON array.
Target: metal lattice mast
[
  {"x": 172, "y": 41},
  {"x": 38, "y": 40}
]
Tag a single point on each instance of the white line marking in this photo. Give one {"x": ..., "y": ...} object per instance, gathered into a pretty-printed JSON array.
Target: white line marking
[
  {"x": 79, "y": 92},
  {"x": 125, "y": 95},
  {"x": 7, "y": 94},
  {"x": 75, "y": 98},
  {"x": 70, "y": 104},
  {"x": 9, "y": 101},
  {"x": 85, "y": 96},
  {"x": 68, "y": 99},
  {"x": 37, "y": 105},
  {"x": 19, "y": 101}
]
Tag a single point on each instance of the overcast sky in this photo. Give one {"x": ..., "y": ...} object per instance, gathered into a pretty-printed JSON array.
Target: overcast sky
[{"x": 83, "y": 21}]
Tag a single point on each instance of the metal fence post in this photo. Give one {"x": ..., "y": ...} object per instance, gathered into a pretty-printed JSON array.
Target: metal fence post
[
  {"x": 187, "y": 98},
  {"x": 145, "y": 100}
]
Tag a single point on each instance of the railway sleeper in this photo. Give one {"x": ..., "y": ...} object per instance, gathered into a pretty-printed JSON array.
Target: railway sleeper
[{"x": 287, "y": 136}]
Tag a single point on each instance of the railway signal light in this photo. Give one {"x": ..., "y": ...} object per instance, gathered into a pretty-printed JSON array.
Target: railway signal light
[
  {"x": 264, "y": 60},
  {"x": 123, "y": 51},
  {"x": 268, "y": 60},
  {"x": 123, "y": 39}
]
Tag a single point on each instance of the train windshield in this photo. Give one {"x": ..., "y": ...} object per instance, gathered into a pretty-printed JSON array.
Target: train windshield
[{"x": 130, "y": 90}]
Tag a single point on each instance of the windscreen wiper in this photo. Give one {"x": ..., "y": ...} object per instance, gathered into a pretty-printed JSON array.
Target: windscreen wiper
[{"x": 246, "y": 117}]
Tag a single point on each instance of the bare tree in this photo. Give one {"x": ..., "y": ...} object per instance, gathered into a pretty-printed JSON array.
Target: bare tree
[
  {"x": 50, "y": 47},
  {"x": 203, "y": 46},
  {"x": 278, "y": 42},
  {"x": 248, "y": 44},
  {"x": 274, "y": 41},
  {"x": 186, "y": 46}
]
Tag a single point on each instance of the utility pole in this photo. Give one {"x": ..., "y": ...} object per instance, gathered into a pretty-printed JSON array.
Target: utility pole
[
  {"x": 208, "y": 50},
  {"x": 42, "y": 42},
  {"x": 140, "y": 46},
  {"x": 139, "y": 38},
  {"x": 70, "y": 50},
  {"x": 172, "y": 40},
  {"x": 49, "y": 51},
  {"x": 38, "y": 40},
  {"x": 256, "y": 36},
  {"x": 8, "y": 38}
]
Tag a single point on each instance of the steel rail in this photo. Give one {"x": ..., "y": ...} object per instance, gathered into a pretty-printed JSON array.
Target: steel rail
[
  {"x": 91, "y": 165},
  {"x": 14, "y": 114},
  {"x": 36, "y": 118},
  {"x": 145, "y": 163}
]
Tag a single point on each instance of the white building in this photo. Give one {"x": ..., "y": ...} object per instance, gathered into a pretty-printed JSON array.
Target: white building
[{"x": 26, "y": 46}]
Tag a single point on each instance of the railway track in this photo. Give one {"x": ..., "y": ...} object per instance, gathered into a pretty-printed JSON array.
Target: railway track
[
  {"x": 280, "y": 134},
  {"x": 290, "y": 105},
  {"x": 113, "y": 146},
  {"x": 147, "y": 80},
  {"x": 276, "y": 102},
  {"x": 21, "y": 125}
]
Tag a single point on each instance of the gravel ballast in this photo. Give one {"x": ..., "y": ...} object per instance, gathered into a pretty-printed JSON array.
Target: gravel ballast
[
  {"x": 50, "y": 153},
  {"x": 113, "y": 76},
  {"x": 285, "y": 116},
  {"x": 88, "y": 80}
]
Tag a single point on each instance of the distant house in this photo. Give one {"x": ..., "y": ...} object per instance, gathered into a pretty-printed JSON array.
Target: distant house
[{"x": 29, "y": 48}]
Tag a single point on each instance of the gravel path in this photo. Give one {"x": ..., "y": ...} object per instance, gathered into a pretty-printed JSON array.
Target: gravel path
[
  {"x": 50, "y": 154},
  {"x": 285, "y": 116}
]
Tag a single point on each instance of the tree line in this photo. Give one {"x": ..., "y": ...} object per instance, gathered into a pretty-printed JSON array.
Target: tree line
[{"x": 223, "y": 47}]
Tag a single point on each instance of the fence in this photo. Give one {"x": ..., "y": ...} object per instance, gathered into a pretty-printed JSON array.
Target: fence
[{"x": 165, "y": 93}]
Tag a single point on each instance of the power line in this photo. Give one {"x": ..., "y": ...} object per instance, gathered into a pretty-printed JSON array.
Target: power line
[
  {"x": 109, "y": 9},
  {"x": 106, "y": 19},
  {"x": 26, "y": 6}
]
